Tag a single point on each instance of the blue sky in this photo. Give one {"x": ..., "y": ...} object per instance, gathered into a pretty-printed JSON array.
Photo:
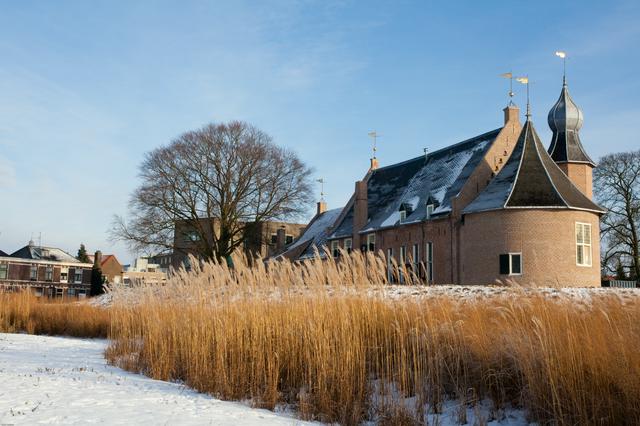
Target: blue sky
[{"x": 86, "y": 88}]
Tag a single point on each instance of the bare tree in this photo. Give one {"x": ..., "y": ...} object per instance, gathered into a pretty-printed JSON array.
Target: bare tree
[
  {"x": 617, "y": 187},
  {"x": 231, "y": 172}
]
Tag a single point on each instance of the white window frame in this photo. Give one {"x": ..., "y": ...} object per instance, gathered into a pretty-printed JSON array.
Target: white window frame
[
  {"x": 403, "y": 216},
  {"x": 48, "y": 273},
  {"x": 415, "y": 254},
  {"x": 430, "y": 208},
  {"x": 5, "y": 267},
  {"x": 77, "y": 273},
  {"x": 64, "y": 274},
  {"x": 371, "y": 239},
  {"x": 428, "y": 261},
  {"x": 334, "y": 248},
  {"x": 390, "y": 264},
  {"x": 402, "y": 260},
  {"x": 348, "y": 245},
  {"x": 511, "y": 263},
  {"x": 584, "y": 245},
  {"x": 32, "y": 269}
]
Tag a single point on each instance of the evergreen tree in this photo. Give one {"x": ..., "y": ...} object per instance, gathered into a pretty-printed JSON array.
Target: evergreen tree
[
  {"x": 97, "y": 281},
  {"x": 82, "y": 254}
]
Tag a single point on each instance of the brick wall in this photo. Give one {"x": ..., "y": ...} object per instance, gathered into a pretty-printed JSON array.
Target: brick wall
[
  {"x": 581, "y": 175},
  {"x": 546, "y": 239}
]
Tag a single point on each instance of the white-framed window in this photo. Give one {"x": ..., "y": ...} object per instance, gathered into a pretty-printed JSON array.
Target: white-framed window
[
  {"x": 430, "y": 208},
  {"x": 4, "y": 271},
  {"x": 48, "y": 273},
  {"x": 511, "y": 264},
  {"x": 390, "y": 265},
  {"x": 191, "y": 236},
  {"x": 335, "y": 252},
  {"x": 33, "y": 273},
  {"x": 428, "y": 261},
  {"x": 77, "y": 277},
  {"x": 371, "y": 242},
  {"x": 403, "y": 215},
  {"x": 401, "y": 262},
  {"x": 64, "y": 274},
  {"x": 583, "y": 244},
  {"x": 348, "y": 245},
  {"x": 415, "y": 258}
]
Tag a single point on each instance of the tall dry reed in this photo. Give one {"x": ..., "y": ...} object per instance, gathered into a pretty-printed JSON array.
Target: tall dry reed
[
  {"x": 322, "y": 337},
  {"x": 24, "y": 312}
]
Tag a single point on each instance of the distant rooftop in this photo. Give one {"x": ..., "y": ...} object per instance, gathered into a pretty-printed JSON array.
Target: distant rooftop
[{"x": 34, "y": 252}]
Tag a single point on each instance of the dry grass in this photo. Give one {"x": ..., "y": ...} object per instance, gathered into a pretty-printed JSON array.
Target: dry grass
[
  {"x": 321, "y": 337},
  {"x": 23, "y": 312}
]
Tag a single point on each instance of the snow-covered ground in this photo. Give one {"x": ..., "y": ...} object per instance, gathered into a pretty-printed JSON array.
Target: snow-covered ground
[{"x": 58, "y": 380}]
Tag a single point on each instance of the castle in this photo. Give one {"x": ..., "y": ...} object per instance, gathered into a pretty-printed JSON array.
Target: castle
[{"x": 496, "y": 207}]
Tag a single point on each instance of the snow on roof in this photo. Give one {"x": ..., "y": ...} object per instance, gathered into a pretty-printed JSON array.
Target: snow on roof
[
  {"x": 530, "y": 179},
  {"x": 44, "y": 253},
  {"x": 315, "y": 234},
  {"x": 413, "y": 184}
]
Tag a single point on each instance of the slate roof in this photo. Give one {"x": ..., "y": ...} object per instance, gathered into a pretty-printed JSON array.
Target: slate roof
[
  {"x": 435, "y": 178},
  {"x": 531, "y": 179},
  {"x": 44, "y": 253},
  {"x": 565, "y": 120},
  {"x": 3, "y": 253},
  {"x": 314, "y": 237}
]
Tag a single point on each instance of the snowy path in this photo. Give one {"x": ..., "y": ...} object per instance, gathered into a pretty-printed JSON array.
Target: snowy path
[{"x": 57, "y": 380}]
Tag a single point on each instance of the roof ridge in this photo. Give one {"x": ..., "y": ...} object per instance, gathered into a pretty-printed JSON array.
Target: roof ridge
[{"x": 443, "y": 149}]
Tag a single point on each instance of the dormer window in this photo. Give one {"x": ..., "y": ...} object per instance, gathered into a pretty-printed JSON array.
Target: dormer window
[
  {"x": 430, "y": 208},
  {"x": 405, "y": 210}
]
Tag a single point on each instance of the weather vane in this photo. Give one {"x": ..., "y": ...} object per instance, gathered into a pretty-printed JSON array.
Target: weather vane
[
  {"x": 509, "y": 75},
  {"x": 563, "y": 55},
  {"x": 525, "y": 80},
  {"x": 321, "y": 181},
  {"x": 374, "y": 136}
]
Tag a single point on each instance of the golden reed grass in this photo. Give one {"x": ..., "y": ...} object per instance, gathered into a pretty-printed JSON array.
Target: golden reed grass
[
  {"x": 24, "y": 312},
  {"x": 325, "y": 338}
]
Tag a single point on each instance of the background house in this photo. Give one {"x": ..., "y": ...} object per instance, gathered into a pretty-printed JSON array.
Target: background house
[{"x": 47, "y": 271}]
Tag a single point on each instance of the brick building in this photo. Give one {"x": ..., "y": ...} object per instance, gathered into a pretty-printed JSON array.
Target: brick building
[
  {"x": 47, "y": 271},
  {"x": 494, "y": 207},
  {"x": 110, "y": 266},
  {"x": 263, "y": 239}
]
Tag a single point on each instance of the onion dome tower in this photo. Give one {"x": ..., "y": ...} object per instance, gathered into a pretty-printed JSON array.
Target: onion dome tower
[{"x": 565, "y": 120}]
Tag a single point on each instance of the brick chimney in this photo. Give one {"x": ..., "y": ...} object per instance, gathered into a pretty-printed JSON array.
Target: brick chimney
[
  {"x": 374, "y": 163},
  {"x": 511, "y": 113},
  {"x": 280, "y": 238},
  {"x": 322, "y": 207},
  {"x": 97, "y": 259},
  {"x": 360, "y": 211}
]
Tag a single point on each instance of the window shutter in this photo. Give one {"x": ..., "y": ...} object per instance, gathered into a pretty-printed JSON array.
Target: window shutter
[{"x": 504, "y": 264}]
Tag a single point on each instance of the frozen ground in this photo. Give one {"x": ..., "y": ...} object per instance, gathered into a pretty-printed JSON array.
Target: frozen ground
[{"x": 57, "y": 380}]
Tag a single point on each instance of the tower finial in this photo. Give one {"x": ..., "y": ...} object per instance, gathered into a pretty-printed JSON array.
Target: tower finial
[
  {"x": 525, "y": 80},
  {"x": 321, "y": 182},
  {"x": 374, "y": 137},
  {"x": 563, "y": 55},
  {"x": 509, "y": 75}
]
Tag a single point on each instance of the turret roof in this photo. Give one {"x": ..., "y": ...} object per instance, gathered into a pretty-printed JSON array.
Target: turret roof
[{"x": 531, "y": 179}]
